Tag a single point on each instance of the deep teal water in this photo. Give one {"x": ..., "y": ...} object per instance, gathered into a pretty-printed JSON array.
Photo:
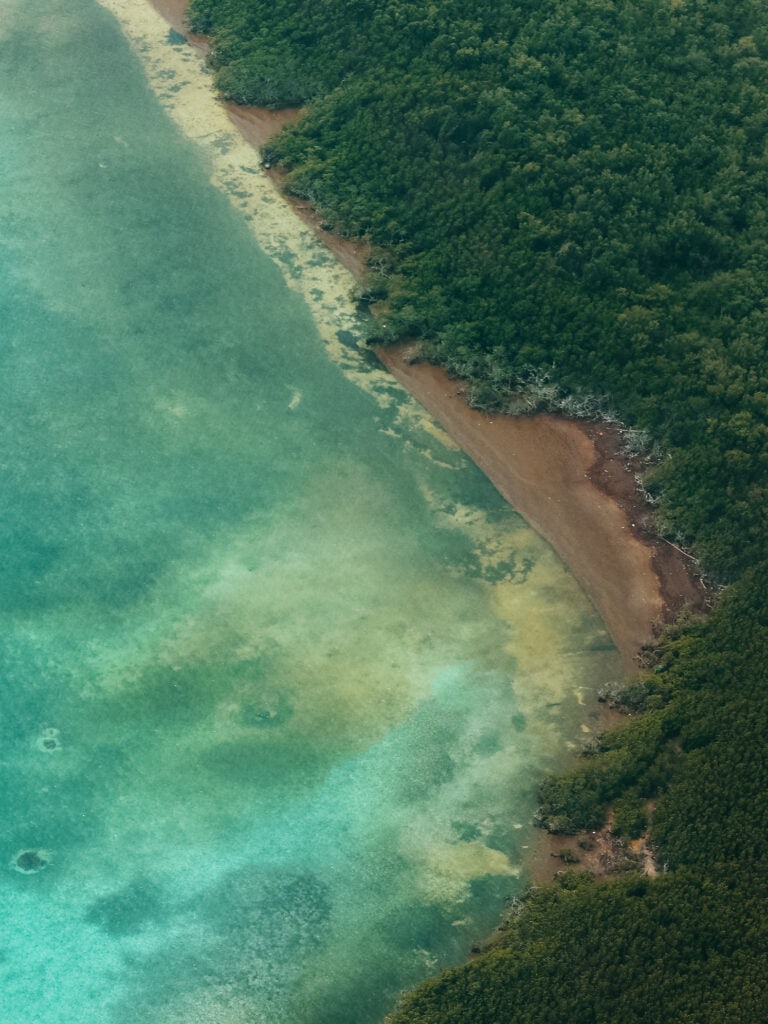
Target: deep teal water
[{"x": 276, "y": 685}]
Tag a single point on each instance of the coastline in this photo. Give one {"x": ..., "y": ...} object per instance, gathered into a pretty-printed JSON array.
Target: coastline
[
  {"x": 569, "y": 481},
  {"x": 567, "y": 478},
  {"x": 256, "y": 126}
]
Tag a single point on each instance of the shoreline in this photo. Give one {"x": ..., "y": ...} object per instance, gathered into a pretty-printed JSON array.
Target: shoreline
[
  {"x": 567, "y": 478},
  {"x": 257, "y": 125},
  {"x": 569, "y": 481}
]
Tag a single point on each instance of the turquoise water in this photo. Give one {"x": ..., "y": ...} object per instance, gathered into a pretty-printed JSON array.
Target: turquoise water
[{"x": 279, "y": 668}]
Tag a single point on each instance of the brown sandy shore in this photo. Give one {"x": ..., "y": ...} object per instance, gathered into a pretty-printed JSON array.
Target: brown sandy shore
[{"x": 567, "y": 478}]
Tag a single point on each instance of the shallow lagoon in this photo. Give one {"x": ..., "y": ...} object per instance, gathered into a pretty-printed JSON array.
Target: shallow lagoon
[{"x": 280, "y": 667}]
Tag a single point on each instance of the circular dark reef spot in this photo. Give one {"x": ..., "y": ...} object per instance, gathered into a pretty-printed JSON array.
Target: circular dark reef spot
[
  {"x": 29, "y": 862},
  {"x": 48, "y": 741}
]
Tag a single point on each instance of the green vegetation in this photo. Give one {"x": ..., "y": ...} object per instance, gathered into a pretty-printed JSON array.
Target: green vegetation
[
  {"x": 688, "y": 950},
  {"x": 566, "y": 204}
]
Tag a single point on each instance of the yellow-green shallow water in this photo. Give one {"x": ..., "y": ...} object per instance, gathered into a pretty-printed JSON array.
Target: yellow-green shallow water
[{"x": 280, "y": 669}]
